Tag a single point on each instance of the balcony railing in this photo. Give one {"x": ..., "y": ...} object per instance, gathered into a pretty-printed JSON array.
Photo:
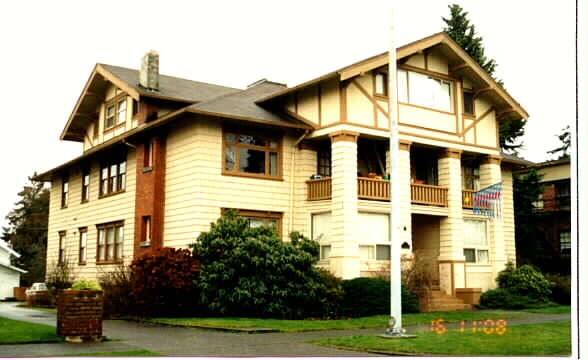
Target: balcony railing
[
  {"x": 467, "y": 199},
  {"x": 319, "y": 189},
  {"x": 428, "y": 194},
  {"x": 378, "y": 189}
]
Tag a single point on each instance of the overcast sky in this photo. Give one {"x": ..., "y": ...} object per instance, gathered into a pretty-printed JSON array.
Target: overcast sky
[{"x": 49, "y": 49}]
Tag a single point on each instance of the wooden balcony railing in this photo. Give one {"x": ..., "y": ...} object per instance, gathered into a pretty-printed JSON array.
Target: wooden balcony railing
[
  {"x": 319, "y": 189},
  {"x": 373, "y": 189},
  {"x": 428, "y": 194},
  {"x": 467, "y": 199}
]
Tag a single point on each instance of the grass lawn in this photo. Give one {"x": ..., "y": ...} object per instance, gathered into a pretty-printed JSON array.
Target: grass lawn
[
  {"x": 379, "y": 321},
  {"x": 117, "y": 354},
  {"x": 22, "y": 332},
  {"x": 551, "y": 310},
  {"x": 518, "y": 340}
]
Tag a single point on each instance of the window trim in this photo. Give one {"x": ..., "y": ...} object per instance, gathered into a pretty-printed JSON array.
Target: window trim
[
  {"x": 327, "y": 157},
  {"x": 374, "y": 245},
  {"x": 476, "y": 249},
  {"x": 103, "y": 227},
  {"x": 61, "y": 248},
  {"x": 115, "y": 101},
  {"x": 271, "y": 137},
  {"x": 86, "y": 188},
  {"x": 117, "y": 161},
  {"x": 433, "y": 75},
  {"x": 84, "y": 259},
  {"x": 64, "y": 192}
]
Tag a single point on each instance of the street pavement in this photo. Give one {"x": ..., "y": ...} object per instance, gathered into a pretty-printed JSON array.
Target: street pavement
[{"x": 177, "y": 341}]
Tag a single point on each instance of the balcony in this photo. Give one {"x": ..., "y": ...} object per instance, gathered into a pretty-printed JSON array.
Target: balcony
[
  {"x": 467, "y": 198},
  {"x": 379, "y": 190}
]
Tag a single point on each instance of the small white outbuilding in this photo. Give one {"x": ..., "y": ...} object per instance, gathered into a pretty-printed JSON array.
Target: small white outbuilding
[{"x": 9, "y": 275}]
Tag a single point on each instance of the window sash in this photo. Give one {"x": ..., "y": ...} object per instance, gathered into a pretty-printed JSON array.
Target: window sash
[
  {"x": 113, "y": 177},
  {"x": 251, "y": 154},
  {"x": 83, "y": 245},
  {"x": 110, "y": 242},
  {"x": 64, "y": 193}
]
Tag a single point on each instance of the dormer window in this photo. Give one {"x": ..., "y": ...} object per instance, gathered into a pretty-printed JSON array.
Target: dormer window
[{"x": 116, "y": 112}]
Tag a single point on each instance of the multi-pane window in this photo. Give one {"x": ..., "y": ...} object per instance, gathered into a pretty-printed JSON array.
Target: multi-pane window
[
  {"x": 475, "y": 241},
  {"x": 562, "y": 189},
  {"x": 324, "y": 161},
  {"x": 85, "y": 185},
  {"x": 251, "y": 154},
  {"x": 110, "y": 242},
  {"x": 425, "y": 90},
  {"x": 61, "y": 254},
  {"x": 116, "y": 113},
  {"x": 468, "y": 102},
  {"x": 471, "y": 175},
  {"x": 113, "y": 177},
  {"x": 375, "y": 243},
  {"x": 565, "y": 243},
  {"x": 83, "y": 245},
  {"x": 64, "y": 192}
]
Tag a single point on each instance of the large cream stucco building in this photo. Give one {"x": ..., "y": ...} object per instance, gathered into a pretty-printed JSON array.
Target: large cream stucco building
[{"x": 164, "y": 157}]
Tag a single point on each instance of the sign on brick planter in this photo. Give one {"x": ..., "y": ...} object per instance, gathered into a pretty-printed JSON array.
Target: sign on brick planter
[{"x": 79, "y": 315}]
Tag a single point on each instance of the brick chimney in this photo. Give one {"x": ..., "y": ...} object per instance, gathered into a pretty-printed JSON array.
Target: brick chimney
[{"x": 149, "y": 74}]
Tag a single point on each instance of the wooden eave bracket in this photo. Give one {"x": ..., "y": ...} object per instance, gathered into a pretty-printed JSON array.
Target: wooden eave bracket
[{"x": 459, "y": 68}]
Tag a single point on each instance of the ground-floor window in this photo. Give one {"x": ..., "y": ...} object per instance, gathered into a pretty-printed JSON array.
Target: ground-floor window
[
  {"x": 475, "y": 241},
  {"x": 321, "y": 232},
  {"x": 374, "y": 235},
  {"x": 260, "y": 218},
  {"x": 565, "y": 243},
  {"x": 110, "y": 242}
]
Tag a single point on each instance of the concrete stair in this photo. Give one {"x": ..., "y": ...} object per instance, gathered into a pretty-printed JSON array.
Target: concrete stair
[{"x": 437, "y": 300}]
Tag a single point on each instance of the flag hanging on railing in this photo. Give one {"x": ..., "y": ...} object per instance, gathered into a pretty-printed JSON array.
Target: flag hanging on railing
[{"x": 488, "y": 201}]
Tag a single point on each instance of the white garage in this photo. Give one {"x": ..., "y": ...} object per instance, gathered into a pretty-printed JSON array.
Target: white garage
[{"x": 9, "y": 275}]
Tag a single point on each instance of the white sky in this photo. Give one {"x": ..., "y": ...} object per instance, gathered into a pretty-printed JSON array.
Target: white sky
[{"x": 49, "y": 48}]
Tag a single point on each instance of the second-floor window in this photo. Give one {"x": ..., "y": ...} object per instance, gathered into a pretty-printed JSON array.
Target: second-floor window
[
  {"x": 324, "y": 161},
  {"x": 85, "y": 185},
  {"x": 113, "y": 175},
  {"x": 470, "y": 175},
  {"x": 468, "y": 102},
  {"x": 425, "y": 90},
  {"x": 64, "y": 192},
  {"x": 83, "y": 245},
  {"x": 249, "y": 154},
  {"x": 116, "y": 112}
]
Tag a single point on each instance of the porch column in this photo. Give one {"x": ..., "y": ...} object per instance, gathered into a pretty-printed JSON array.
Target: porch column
[
  {"x": 451, "y": 258},
  {"x": 490, "y": 174},
  {"x": 344, "y": 259}
]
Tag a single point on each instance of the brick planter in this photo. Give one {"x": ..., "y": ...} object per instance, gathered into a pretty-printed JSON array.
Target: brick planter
[
  {"x": 19, "y": 293},
  {"x": 469, "y": 295},
  {"x": 79, "y": 315}
]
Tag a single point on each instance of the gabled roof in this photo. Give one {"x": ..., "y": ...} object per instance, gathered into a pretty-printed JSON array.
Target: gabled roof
[
  {"x": 515, "y": 160},
  {"x": 460, "y": 64},
  {"x": 170, "y": 88}
]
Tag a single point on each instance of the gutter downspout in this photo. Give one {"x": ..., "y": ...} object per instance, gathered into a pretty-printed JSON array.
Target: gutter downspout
[{"x": 292, "y": 176}]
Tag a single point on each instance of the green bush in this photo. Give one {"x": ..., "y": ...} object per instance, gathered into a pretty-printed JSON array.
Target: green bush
[
  {"x": 371, "y": 296},
  {"x": 117, "y": 286},
  {"x": 84, "y": 284},
  {"x": 162, "y": 283},
  {"x": 561, "y": 288},
  {"x": 505, "y": 299},
  {"x": 525, "y": 281},
  {"x": 250, "y": 271}
]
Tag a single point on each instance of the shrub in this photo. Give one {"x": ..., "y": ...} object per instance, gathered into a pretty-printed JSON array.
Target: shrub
[
  {"x": 163, "y": 282},
  {"x": 561, "y": 288},
  {"x": 117, "y": 287},
  {"x": 419, "y": 276},
  {"x": 60, "y": 276},
  {"x": 330, "y": 296},
  {"x": 525, "y": 281},
  {"x": 250, "y": 271},
  {"x": 84, "y": 284},
  {"x": 505, "y": 299},
  {"x": 371, "y": 296}
]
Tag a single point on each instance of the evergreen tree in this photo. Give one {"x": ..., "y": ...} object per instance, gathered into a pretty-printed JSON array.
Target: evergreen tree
[
  {"x": 565, "y": 138},
  {"x": 464, "y": 33},
  {"x": 27, "y": 231}
]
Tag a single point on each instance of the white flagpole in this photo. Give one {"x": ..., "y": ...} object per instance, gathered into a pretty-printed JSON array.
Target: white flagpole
[{"x": 395, "y": 255}]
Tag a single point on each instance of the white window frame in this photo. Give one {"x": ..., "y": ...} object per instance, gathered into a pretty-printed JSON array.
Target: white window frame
[
  {"x": 427, "y": 97},
  {"x": 324, "y": 240},
  {"x": 476, "y": 247},
  {"x": 371, "y": 247}
]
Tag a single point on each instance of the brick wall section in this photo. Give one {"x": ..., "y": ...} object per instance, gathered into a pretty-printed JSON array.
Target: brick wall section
[
  {"x": 150, "y": 195},
  {"x": 79, "y": 313}
]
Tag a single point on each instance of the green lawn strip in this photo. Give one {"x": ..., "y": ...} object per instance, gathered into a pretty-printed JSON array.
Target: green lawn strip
[
  {"x": 118, "y": 354},
  {"x": 551, "y": 310},
  {"x": 519, "y": 340},
  {"x": 22, "y": 332},
  {"x": 378, "y": 321}
]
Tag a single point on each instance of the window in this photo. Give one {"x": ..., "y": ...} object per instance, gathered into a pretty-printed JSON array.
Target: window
[
  {"x": 83, "y": 245},
  {"x": 85, "y": 185},
  {"x": 261, "y": 218},
  {"x": 321, "y": 232},
  {"x": 424, "y": 90},
  {"x": 116, "y": 112},
  {"x": 565, "y": 243},
  {"x": 64, "y": 192},
  {"x": 471, "y": 175},
  {"x": 375, "y": 243},
  {"x": 251, "y": 155},
  {"x": 61, "y": 254},
  {"x": 539, "y": 204},
  {"x": 468, "y": 102},
  {"x": 475, "y": 241},
  {"x": 113, "y": 177},
  {"x": 110, "y": 242},
  {"x": 146, "y": 238},
  {"x": 381, "y": 86},
  {"x": 324, "y": 161},
  {"x": 562, "y": 189},
  {"x": 149, "y": 147}
]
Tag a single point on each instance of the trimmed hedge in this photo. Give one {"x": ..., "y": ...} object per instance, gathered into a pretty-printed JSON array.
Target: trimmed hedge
[{"x": 371, "y": 296}]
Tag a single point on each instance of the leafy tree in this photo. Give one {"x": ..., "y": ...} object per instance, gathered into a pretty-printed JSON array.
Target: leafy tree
[
  {"x": 250, "y": 271},
  {"x": 526, "y": 191},
  {"x": 565, "y": 138},
  {"x": 464, "y": 33},
  {"x": 27, "y": 231}
]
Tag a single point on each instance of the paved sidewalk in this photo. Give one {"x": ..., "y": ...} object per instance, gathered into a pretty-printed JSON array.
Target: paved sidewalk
[{"x": 175, "y": 341}]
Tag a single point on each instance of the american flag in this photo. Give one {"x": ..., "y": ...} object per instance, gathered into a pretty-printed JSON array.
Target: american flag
[{"x": 488, "y": 201}]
